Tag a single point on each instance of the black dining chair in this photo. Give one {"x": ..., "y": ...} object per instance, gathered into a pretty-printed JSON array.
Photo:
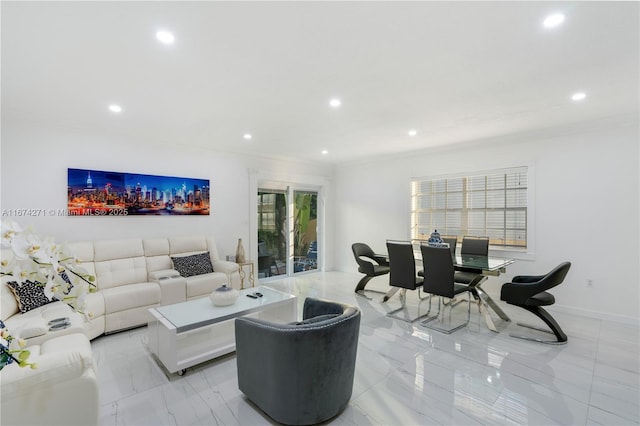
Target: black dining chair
[
  {"x": 402, "y": 275},
  {"x": 453, "y": 242},
  {"x": 370, "y": 264},
  {"x": 439, "y": 281},
  {"x": 472, "y": 246},
  {"x": 530, "y": 292}
]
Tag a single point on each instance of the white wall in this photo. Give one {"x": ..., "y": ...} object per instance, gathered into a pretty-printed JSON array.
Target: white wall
[
  {"x": 34, "y": 176},
  {"x": 586, "y": 208}
]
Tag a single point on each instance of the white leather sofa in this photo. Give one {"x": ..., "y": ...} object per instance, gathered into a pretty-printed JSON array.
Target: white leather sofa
[
  {"x": 132, "y": 276},
  {"x": 63, "y": 390}
]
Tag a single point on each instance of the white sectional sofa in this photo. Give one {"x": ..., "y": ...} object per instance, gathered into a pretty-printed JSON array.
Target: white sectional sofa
[
  {"x": 63, "y": 390},
  {"x": 132, "y": 276}
]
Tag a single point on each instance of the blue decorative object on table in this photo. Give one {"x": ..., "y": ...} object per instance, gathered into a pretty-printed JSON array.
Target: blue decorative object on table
[{"x": 436, "y": 241}]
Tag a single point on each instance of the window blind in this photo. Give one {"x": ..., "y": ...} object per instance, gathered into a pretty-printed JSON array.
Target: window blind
[{"x": 489, "y": 204}]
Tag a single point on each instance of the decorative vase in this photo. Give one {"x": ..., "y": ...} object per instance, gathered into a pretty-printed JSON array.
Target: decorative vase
[
  {"x": 435, "y": 240},
  {"x": 224, "y": 296},
  {"x": 240, "y": 252}
]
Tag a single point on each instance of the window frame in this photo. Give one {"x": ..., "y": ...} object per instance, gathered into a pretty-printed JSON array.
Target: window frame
[{"x": 527, "y": 252}]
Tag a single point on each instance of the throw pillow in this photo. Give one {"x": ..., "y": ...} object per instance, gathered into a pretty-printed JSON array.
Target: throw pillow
[
  {"x": 196, "y": 264},
  {"x": 30, "y": 294}
]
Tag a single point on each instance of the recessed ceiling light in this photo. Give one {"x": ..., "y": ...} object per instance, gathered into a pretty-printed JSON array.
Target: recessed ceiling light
[
  {"x": 553, "y": 20},
  {"x": 578, "y": 96},
  {"x": 335, "y": 103},
  {"x": 165, "y": 37},
  {"x": 412, "y": 132},
  {"x": 247, "y": 136},
  {"x": 325, "y": 152},
  {"x": 115, "y": 108}
]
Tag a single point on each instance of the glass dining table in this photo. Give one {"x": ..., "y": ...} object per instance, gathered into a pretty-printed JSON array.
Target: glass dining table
[{"x": 483, "y": 267}]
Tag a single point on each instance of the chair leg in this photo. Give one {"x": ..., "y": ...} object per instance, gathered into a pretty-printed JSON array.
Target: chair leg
[
  {"x": 388, "y": 295},
  {"x": 551, "y": 323},
  {"x": 403, "y": 301},
  {"x": 362, "y": 283},
  {"x": 428, "y": 322},
  {"x": 428, "y": 296}
]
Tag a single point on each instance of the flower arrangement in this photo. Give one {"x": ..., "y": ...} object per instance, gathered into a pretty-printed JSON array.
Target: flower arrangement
[
  {"x": 18, "y": 355},
  {"x": 47, "y": 264}
]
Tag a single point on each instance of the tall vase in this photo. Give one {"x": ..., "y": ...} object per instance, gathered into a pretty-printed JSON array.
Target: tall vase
[{"x": 240, "y": 252}]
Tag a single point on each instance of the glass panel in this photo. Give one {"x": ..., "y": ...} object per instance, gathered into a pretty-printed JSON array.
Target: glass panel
[
  {"x": 495, "y": 219},
  {"x": 454, "y": 219},
  {"x": 440, "y": 201},
  {"x": 495, "y": 181},
  {"x": 198, "y": 312},
  {"x": 495, "y": 199},
  {"x": 438, "y": 220},
  {"x": 516, "y": 238},
  {"x": 476, "y": 183},
  {"x": 440, "y": 185},
  {"x": 517, "y": 180},
  {"x": 455, "y": 185},
  {"x": 517, "y": 198},
  {"x": 476, "y": 219},
  {"x": 476, "y": 200},
  {"x": 516, "y": 219},
  {"x": 454, "y": 200},
  {"x": 272, "y": 232},
  {"x": 305, "y": 232},
  {"x": 423, "y": 202}
]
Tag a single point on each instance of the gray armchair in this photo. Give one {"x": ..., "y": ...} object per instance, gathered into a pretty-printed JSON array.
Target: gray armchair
[{"x": 300, "y": 373}]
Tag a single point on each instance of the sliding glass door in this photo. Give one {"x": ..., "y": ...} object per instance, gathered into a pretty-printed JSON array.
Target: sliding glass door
[
  {"x": 272, "y": 232},
  {"x": 305, "y": 231},
  {"x": 287, "y": 231}
]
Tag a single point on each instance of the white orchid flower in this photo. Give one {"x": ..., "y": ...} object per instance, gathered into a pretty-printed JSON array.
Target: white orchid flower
[{"x": 9, "y": 229}]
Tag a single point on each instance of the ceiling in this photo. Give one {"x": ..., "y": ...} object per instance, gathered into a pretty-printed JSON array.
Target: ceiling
[{"x": 453, "y": 71}]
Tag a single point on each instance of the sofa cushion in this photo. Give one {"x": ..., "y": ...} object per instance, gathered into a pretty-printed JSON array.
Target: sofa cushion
[
  {"x": 117, "y": 249},
  {"x": 155, "y": 247},
  {"x": 195, "y": 264},
  {"x": 30, "y": 294},
  {"x": 187, "y": 245},
  {"x": 119, "y": 272},
  {"x": 131, "y": 296},
  {"x": 34, "y": 328}
]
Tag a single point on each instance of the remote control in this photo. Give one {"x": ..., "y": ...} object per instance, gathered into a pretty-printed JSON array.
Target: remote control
[
  {"x": 59, "y": 321},
  {"x": 59, "y": 326}
]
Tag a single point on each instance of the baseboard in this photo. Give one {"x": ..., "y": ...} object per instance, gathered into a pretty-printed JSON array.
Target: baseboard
[{"x": 622, "y": 319}]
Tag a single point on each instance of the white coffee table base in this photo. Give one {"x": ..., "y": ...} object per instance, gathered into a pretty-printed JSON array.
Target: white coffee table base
[{"x": 178, "y": 351}]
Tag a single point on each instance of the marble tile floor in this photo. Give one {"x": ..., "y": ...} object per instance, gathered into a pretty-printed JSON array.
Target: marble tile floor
[{"x": 406, "y": 374}]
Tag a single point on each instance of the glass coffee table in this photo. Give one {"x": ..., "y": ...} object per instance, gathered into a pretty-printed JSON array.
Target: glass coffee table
[{"x": 188, "y": 333}]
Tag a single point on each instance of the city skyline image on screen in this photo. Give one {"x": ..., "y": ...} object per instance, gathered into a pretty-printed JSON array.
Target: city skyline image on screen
[{"x": 107, "y": 193}]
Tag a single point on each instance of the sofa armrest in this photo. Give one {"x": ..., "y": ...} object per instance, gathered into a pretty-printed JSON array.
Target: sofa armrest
[
  {"x": 163, "y": 273},
  {"x": 40, "y": 397},
  {"x": 225, "y": 266},
  {"x": 53, "y": 368},
  {"x": 172, "y": 290}
]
